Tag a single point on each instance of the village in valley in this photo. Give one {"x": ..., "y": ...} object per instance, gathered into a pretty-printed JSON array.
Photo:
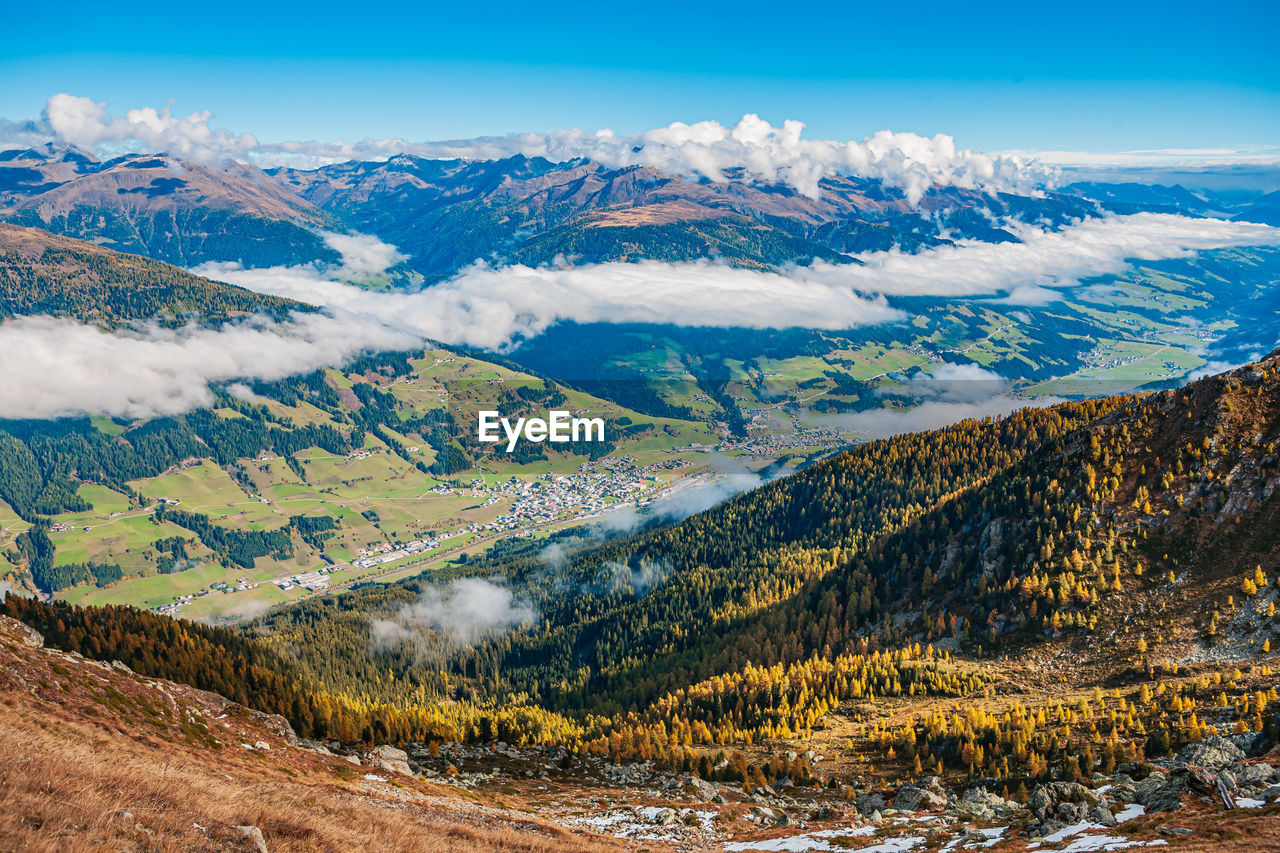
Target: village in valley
[{"x": 530, "y": 507}]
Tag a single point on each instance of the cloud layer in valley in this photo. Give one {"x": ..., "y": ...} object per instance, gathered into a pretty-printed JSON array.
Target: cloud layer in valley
[
  {"x": 945, "y": 395},
  {"x": 1045, "y": 260},
  {"x": 492, "y": 307},
  {"x": 60, "y": 367},
  {"x": 465, "y": 611},
  {"x": 705, "y": 149},
  {"x": 728, "y": 478}
]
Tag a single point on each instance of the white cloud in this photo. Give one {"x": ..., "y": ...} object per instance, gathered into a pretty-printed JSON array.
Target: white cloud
[
  {"x": 492, "y": 307},
  {"x": 728, "y": 478},
  {"x": 1255, "y": 155},
  {"x": 87, "y": 124},
  {"x": 65, "y": 368},
  {"x": 1044, "y": 259},
  {"x": 952, "y": 382},
  {"x": 56, "y": 367},
  {"x": 708, "y": 149},
  {"x": 465, "y": 611},
  {"x": 362, "y": 254},
  {"x": 705, "y": 149},
  {"x": 881, "y": 423}
]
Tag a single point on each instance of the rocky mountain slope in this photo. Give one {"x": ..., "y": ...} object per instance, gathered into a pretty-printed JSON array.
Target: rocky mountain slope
[
  {"x": 155, "y": 205},
  {"x": 97, "y": 757},
  {"x": 530, "y": 210}
]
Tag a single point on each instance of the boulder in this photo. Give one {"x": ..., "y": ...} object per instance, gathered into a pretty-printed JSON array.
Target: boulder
[
  {"x": 912, "y": 798},
  {"x": 1102, "y": 816},
  {"x": 868, "y": 803},
  {"x": 1253, "y": 774},
  {"x": 1045, "y": 800},
  {"x": 665, "y": 817},
  {"x": 1165, "y": 795},
  {"x": 277, "y": 725},
  {"x": 978, "y": 800},
  {"x": 389, "y": 758},
  {"x": 701, "y": 789},
  {"x": 1215, "y": 751}
]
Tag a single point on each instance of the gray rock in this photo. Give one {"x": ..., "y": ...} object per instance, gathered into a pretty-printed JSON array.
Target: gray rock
[
  {"x": 1072, "y": 812},
  {"x": 1048, "y": 827},
  {"x": 977, "y": 811},
  {"x": 24, "y": 632},
  {"x": 868, "y": 803},
  {"x": 277, "y": 725},
  {"x": 666, "y": 817},
  {"x": 1045, "y": 800},
  {"x": 1166, "y": 796},
  {"x": 1214, "y": 751},
  {"x": 912, "y": 798},
  {"x": 701, "y": 789},
  {"x": 1272, "y": 793},
  {"x": 253, "y": 836},
  {"x": 1102, "y": 816},
  {"x": 1253, "y": 774},
  {"x": 389, "y": 758}
]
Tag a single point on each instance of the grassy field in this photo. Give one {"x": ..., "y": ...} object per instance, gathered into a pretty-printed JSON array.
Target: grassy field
[{"x": 375, "y": 496}]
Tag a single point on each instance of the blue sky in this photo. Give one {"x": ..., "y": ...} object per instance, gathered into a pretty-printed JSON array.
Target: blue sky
[{"x": 1090, "y": 76}]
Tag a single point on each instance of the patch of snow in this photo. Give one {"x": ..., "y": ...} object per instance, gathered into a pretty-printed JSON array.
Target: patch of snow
[
  {"x": 1094, "y": 843},
  {"x": 1129, "y": 812},
  {"x": 993, "y": 835},
  {"x": 818, "y": 841},
  {"x": 1250, "y": 803},
  {"x": 373, "y": 777},
  {"x": 1074, "y": 829}
]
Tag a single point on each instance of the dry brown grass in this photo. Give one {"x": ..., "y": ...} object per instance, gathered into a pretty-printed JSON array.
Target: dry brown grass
[
  {"x": 76, "y": 775},
  {"x": 658, "y": 213}
]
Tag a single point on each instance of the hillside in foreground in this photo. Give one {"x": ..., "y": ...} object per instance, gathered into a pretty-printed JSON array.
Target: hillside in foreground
[{"x": 96, "y": 757}]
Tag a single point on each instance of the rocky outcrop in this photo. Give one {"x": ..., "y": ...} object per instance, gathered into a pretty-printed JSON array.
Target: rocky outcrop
[
  {"x": 389, "y": 758},
  {"x": 981, "y": 804},
  {"x": 1216, "y": 751},
  {"x": 1054, "y": 805},
  {"x": 868, "y": 803},
  {"x": 927, "y": 794},
  {"x": 25, "y": 633}
]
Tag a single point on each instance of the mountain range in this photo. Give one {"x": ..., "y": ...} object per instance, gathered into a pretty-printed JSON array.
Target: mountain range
[{"x": 448, "y": 214}]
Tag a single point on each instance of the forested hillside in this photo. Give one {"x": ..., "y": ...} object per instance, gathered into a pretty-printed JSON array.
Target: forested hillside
[
  {"x": 1147, "y": 521},
  {"x": 43, "y": 273}
]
